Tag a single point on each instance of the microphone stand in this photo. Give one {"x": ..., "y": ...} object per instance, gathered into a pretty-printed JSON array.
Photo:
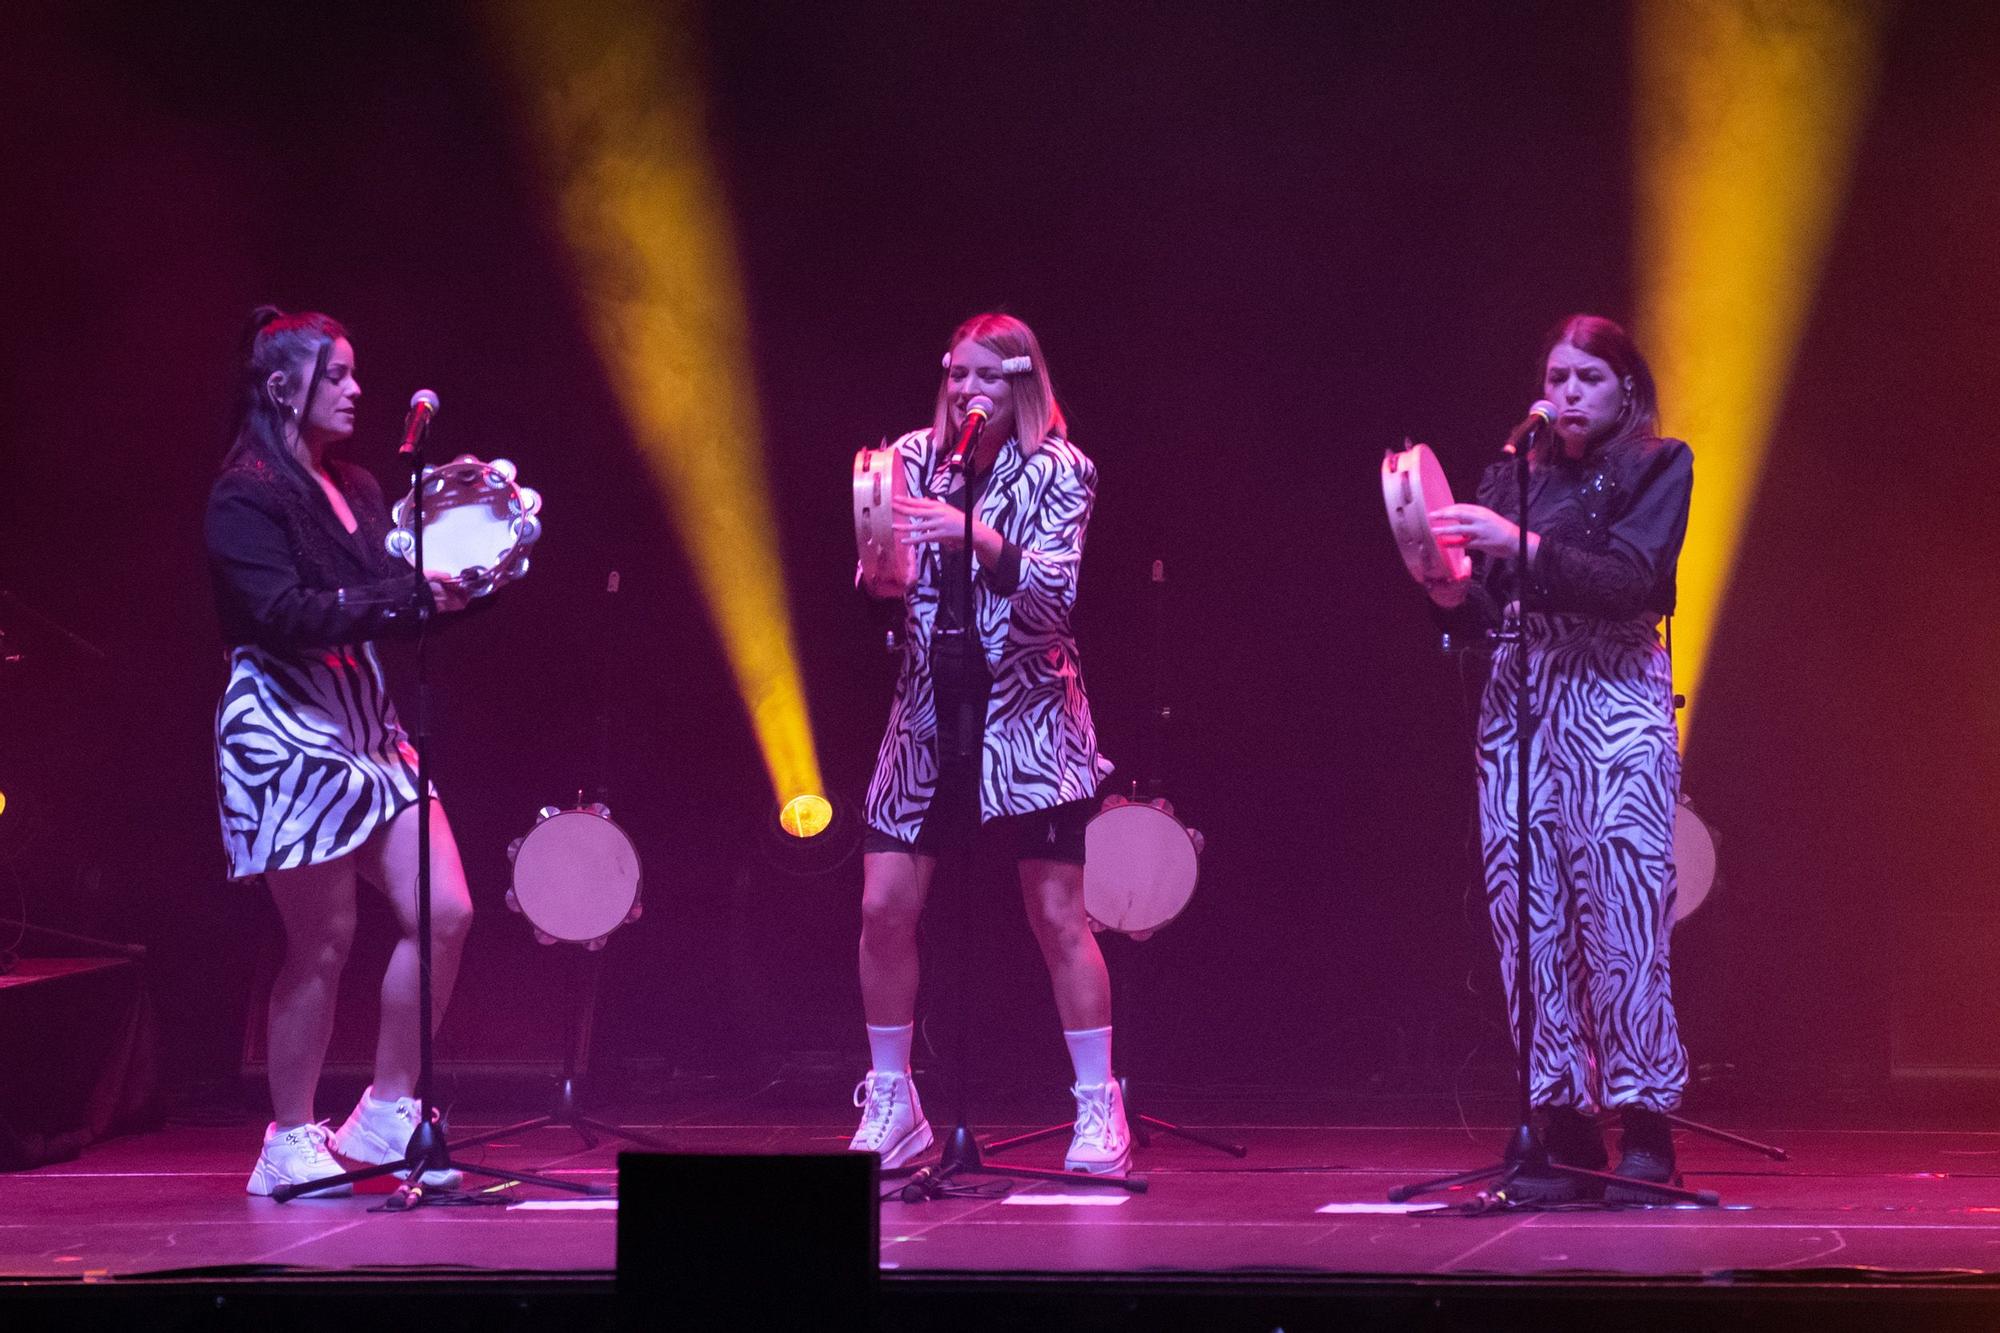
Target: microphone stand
[
  {"x": 428, "y": 1149},
  {"x": 959, "y": 765},
  {"x": 1526, "y": 1153}
]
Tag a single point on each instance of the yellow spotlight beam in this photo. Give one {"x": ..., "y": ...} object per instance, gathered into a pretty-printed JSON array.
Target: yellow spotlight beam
[
  {"x": 1747, "y": 116},
  {"x": 615, "y": 101}
]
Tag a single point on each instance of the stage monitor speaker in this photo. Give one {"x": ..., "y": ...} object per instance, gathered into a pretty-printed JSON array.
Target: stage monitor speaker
[{"x": 735, "y": 1241}]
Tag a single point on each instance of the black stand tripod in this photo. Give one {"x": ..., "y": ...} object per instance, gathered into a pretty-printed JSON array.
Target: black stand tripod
[
  {"x": 427, "y": 1150},
  {"x": 1122, "y": 983},
  {"x": 1526, "y": 1154},
  {"x": 580, "y": 994},
  {"x": 959, "y": 766}
]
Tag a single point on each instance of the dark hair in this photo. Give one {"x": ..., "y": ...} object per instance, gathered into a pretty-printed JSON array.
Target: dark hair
[
  {"x": 276, "y": 341},
  {"x": 1607, "y": 340}
]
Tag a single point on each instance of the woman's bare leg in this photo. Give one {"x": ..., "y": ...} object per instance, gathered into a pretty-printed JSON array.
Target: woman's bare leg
[{"x": 389, "y": 861}]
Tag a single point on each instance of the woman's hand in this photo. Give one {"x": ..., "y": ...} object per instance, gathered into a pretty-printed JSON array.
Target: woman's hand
[
  {"x": 924, "y": 521},
  {"x": 1477, "y": 528},
  {"x": 447, "y": 593}
]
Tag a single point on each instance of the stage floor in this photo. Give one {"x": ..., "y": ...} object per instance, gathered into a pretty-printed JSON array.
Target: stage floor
[{"x": 1309, "y": 1200}]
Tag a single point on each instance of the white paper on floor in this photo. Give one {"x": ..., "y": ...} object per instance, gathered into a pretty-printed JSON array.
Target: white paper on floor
[
  {"x": 564, "y": 1205},
  {"x": 1375, "y": 1207},
  {"x": 1075, "y": 1200}
]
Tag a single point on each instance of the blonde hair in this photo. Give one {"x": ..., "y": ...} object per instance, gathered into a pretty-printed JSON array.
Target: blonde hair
[{"x": 1037, "y": 416}]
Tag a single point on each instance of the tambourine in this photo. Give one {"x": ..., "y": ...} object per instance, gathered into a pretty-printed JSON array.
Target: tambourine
[
  {"x": 888, "y": 567},
  {"x": 478, "y": 522},
  {"x": 1694, "y": 860},
  {"x": 1413, "y": 485},
  {"x": 1140, "y": 864},
  {"x": 576, "y": 876}
]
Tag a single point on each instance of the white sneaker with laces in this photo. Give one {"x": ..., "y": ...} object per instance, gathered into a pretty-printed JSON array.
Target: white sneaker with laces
[
  {"x": 892, "y": 1119},
  {"x": 1102, "y": 1145},
  {"x": 376, "y": 1132},
  {"x": 295, "y": 1157}
]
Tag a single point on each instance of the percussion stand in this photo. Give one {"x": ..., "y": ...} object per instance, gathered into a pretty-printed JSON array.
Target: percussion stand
[
  {"x": 1122, "y": 985},
  {"x": 1526, "y": 1153},
  {"x": 959, "y": 765},
  {"x": 580, "y": 999},
  {"x": 428, "y": 1149}
]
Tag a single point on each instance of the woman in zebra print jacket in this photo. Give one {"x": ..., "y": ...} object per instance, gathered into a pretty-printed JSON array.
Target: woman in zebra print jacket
[
  {"x": 315, "y": 778},
  {"x": 1014, "y": 701},
  {"x": 1608, "y": 508}
]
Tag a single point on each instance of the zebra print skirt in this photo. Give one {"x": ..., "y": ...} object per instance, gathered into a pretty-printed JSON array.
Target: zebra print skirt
[
  {"x": 1604, "y": 773},
  {"x": 309, "y": 757}
]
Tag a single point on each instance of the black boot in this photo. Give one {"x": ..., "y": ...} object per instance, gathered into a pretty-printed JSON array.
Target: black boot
[
  {"x": 1646, "y": 1152},
  {"x": 1572, "y": 1139}
]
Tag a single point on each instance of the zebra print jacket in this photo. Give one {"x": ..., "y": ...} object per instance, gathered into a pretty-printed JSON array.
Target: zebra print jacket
[{"x": 1040, "y": 747}]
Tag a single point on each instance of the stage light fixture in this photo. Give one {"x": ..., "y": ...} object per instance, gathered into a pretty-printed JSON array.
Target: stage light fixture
[
  {"x": 810, "y": 834},
  {"x": 1746, "y": 119},
  {"x": 805, "y": 816},
  {"x": 614, "y": 99}
]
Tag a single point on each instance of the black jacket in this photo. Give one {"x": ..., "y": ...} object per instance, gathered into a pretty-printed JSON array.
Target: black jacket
[{"x": 288, "y": 576}]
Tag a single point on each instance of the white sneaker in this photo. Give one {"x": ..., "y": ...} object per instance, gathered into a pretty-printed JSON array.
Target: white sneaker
[
  {"x": 892, "y": 1119},
  {"x": 1102, "y": 1145},
  {"x": 376, "y": 1132},
  {"x": 296, "y": 1157}
]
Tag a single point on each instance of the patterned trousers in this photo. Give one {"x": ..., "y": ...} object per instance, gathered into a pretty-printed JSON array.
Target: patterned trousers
[{"x": 1604, "y": 771}]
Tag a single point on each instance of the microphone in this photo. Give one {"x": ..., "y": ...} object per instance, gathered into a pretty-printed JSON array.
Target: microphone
[
  {"x": 1540, "y": 416},
  {"x": 423, "y": 406},
  {"x": 976, "y": 413}
]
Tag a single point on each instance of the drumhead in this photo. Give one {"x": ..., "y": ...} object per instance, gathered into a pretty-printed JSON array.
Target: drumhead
[
  {"x": 1694, "y": 861},
  {"x": 1139, "y": 868},
  {"x": 576, "y": 876},
  {"x": 468, "y": 527}
]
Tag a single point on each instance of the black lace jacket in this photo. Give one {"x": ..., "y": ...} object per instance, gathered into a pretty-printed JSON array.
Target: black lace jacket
[
  {"x": 1611, "y": 526},
  {"x": 288, "y": 576}
]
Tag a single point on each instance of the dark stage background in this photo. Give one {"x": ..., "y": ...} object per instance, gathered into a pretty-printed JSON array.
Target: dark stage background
[{"x": 1260, "y": 242}]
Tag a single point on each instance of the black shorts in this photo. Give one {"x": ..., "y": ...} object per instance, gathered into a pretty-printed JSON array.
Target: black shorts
[{"x": 1055, "y": 834}]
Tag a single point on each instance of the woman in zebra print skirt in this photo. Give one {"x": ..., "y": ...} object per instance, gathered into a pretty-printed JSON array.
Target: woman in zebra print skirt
[
  {"x": 1607, "y": 511},
  {"x": 315, "y": 779},
  {"x": 1014, "y": 700}
]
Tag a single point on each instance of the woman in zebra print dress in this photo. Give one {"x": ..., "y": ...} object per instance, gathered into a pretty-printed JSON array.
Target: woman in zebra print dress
[
  {"x": 1013, "y": 700},
  {"x": 315, "y": 779},
  {"x": 1608, "y": 508}
]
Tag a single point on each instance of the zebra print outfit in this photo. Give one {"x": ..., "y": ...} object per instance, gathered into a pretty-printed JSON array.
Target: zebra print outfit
[
  {"x": 1604, "y": 767},
  {"x": 1604, "y": 771},
  {"x": 310, "y": 759},
  {"x": 1040, "y": 746}
]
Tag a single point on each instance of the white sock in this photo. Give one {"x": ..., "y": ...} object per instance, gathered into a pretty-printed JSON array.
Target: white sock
[
  {"x": 1090, "y": 1052},
  {"x": 889, "y": 1048}
]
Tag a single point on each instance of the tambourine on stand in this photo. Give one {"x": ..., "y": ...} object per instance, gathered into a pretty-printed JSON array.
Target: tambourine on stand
[{"x": 576, "y": 876}]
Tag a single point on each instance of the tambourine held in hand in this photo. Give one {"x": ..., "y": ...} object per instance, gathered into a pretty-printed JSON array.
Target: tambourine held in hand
[
  {"x": 888, "y": 567},
  {"x": 479, "y": 523},
  {"x": 1413, "y": 485}
]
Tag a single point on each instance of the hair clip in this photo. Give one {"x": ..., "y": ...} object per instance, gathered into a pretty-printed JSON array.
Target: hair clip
[
  {"x": 947, "y": 361},
  {"x": 1017, "y": 365}
]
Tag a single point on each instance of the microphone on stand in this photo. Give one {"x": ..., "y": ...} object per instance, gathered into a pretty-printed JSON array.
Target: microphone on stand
[
  {"x": 1540, "y": 416},
  {"x": 423, "y": 406},
  {"x": 976, "y": 413}
]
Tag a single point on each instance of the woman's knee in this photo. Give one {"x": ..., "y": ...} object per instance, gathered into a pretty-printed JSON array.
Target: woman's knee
[{"x": 322, "y": 950}]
